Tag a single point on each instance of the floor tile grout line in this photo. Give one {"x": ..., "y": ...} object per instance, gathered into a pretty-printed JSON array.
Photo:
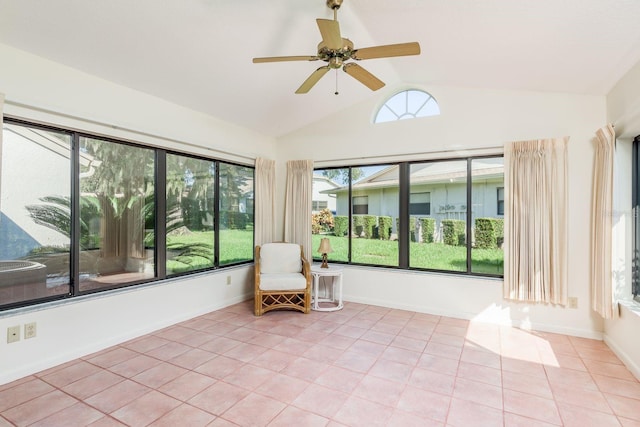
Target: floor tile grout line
[{"x": 378, "y": 356}]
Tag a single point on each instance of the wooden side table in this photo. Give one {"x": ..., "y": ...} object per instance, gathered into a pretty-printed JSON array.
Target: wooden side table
[{"x": 335, "y": 298}]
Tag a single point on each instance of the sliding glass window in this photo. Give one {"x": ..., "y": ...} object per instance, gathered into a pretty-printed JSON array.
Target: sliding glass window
[
  {"x": 116, "y": 198},
  {"x": 487, "y": 215},
  {"x": 35, "y": 213},
  {"x": 438, "y": 234},
  {"x": 330, "y": 212},
  {"x": 374, "y": 195},
  {"x": 190, "y": 202},
  {"x": 236, "y": 214}
]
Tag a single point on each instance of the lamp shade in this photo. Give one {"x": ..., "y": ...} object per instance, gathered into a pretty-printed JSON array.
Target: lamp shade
[{"x": 325, "y": 246}]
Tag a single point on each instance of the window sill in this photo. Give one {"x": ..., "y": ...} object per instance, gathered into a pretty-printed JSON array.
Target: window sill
[
  {"x": 632, "y": 306},
  {"x": 447, "y": 274},
  {"x": 105, "y": 294}
]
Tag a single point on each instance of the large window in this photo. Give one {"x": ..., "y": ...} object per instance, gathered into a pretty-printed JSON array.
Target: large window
[
  {"x": 236, "y": 214},
  {"x": 190, "y": 215},
  {"x": 35, "y": 213},
  {"x": 435, "y": 215},
  {"x": 371, "y": 230},
  {"x": 333, "y": 220},
  {"x": 438, "y": 240},
  {"x": 115, "y": 196},
  {"x": 82, "y": 214},
  {"x": 487, "y": 223}
]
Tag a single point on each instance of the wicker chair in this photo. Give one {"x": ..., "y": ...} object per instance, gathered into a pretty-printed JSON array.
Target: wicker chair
[{"x": 282, "y": 278}]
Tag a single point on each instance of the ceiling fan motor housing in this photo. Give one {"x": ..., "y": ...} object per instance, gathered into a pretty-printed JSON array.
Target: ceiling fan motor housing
[
  {"x": 334, "y": 4},
  {"x": 332, "y": 55}
]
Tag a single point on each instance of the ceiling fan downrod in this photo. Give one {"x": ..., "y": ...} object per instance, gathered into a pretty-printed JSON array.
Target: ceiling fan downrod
[{"x": 334, "y": 5}]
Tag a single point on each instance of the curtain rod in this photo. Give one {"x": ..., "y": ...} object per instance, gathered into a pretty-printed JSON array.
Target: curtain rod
[
  {"x": 423, "y": 153},
  {"x": 134, "y": 131}
]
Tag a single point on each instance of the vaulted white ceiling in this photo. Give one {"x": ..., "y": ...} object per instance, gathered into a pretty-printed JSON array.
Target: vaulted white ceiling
[{"x": 197, "y": 53}]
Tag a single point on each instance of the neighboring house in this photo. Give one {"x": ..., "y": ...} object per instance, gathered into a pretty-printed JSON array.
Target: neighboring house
[
  {"x": 438, "y": 190},
  {"x": 323, "y": 196}
]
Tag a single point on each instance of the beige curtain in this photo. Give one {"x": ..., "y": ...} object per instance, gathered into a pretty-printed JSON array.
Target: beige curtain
[
  {"x": 536, "y": 221},
  {"x": 602, "y": 223},
  {"x": 297, "y": 216},
  {"x": 265, "y": 203}
]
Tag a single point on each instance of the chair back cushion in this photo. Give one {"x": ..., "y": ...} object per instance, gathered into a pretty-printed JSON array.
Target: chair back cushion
[{"x": 280, "y": 258}]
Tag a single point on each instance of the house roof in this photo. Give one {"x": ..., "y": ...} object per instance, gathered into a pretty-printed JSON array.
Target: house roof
[
  {"x": 198, "y": 53},
  {"x": 325, "y": 180},
  {"x": 441, "y": 172}
]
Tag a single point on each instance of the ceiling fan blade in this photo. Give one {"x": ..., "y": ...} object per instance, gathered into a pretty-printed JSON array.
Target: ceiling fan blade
[
  {"x": 330, "y": 31},
  {"x": 312, "y": 80},
  {"x": 284, "y": 58},
  {"x": 363, "y": 76},
  {"x": 386, "y": 51}
]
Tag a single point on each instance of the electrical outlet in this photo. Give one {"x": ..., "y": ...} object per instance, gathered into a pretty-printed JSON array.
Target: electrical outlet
[
  {"x": 572, "y": 302},
  {"x": 13, "y": 334},
  {"x": 29, "y": 330},
  {"x": 228, "y": 280}
]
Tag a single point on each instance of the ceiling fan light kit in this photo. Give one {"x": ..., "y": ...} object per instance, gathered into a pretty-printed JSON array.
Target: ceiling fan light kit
[{"x": 336, "y": 51}]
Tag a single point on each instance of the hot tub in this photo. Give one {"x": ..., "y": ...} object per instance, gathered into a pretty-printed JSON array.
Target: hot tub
[{"x": 22, "y": 280}]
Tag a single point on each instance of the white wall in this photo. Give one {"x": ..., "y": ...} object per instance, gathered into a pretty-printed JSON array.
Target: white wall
[
  {"x": 478, "y": 121},
  {"x": 34, "y": 81},
  {"x": 74, "y": 328},
  {"x": 623, "y": 109}
]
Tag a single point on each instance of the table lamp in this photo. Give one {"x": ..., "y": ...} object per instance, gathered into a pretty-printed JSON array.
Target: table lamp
[{"x": 324, "y": 249}]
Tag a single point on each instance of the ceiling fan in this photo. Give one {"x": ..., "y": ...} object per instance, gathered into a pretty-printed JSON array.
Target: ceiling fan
[{"x": 336, "y": 51}]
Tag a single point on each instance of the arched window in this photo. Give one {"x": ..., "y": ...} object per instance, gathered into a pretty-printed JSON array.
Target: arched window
[{"x": 407, "y": 104}]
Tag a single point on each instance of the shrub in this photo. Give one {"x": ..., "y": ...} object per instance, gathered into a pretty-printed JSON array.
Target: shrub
[
  {"x": 358, "y": 225},
  {"x": 321, "y": 221},
  {"x": 232, "y": 220},
  {"x": 453, "y": 231},
  {"x": 192, "y": 215},
  {"x": 498, "y": 224},
  {"x": 370, "y": 223},
  {"x": 428, "y": 229},
  {"x": 384, "y": 227},
  {"x": 414, "y": 228},
  {"x": 489, "y": 233},
  {"x": 340, "y": 224},
  {"x": 315, "y": 224},
  {"x": 485, "y": 236}
]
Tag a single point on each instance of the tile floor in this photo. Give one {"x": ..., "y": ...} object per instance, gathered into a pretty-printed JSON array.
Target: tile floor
[{"x": 361, "y": 366}]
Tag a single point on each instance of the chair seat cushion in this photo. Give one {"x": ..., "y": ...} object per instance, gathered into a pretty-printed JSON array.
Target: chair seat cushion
[{"x": 282, "y": 282}]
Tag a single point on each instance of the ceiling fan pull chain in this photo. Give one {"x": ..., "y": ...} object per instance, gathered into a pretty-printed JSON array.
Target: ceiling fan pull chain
[{"x": 336, "y": 93}]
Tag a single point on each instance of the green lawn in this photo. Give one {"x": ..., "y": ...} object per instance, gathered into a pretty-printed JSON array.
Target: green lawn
[
  {"x": 195, "y": 251},
  {"x": 435, "y": 256}
]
